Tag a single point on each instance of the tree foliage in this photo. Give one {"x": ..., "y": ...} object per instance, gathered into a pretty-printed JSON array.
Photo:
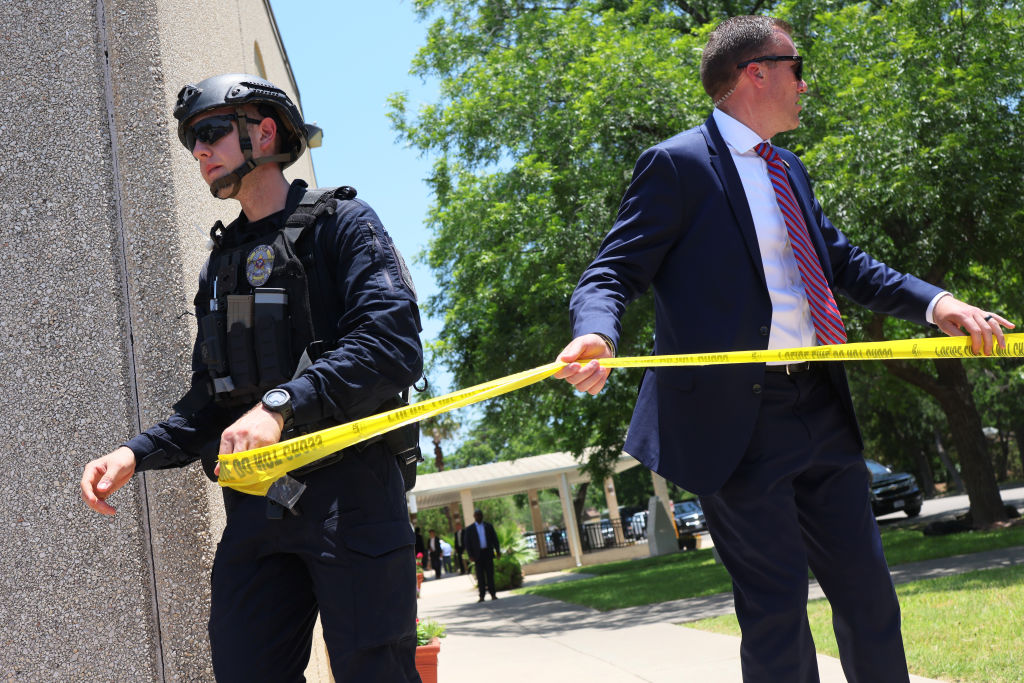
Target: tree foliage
[
  {"x": 913, "y": 135},
  {"x": 543, "y": 111}
]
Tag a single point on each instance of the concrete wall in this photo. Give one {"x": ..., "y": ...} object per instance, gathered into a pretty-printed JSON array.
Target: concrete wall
[{"x": 99, "y": 253}]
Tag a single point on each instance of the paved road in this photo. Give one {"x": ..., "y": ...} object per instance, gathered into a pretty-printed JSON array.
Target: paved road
[{"x": 948, "y": 507}]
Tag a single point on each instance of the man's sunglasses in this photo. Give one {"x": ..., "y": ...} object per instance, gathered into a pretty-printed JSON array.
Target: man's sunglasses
[
  {"x": 211, "y": 129},
  {"x": 798, "y": 71}
]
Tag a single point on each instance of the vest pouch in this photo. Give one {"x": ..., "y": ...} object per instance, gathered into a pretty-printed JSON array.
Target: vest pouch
[
  {"x": 241, "y": 359},
  {"x": 273, "y": 353},
  {"x": 212, "y": 349}
]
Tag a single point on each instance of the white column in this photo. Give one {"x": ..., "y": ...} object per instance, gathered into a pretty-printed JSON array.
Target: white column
[
  {"x": 572, "y": 529},
  {"x": 661, "y": 491},
  {"x": 466, "y": 496},
  {"x": 538, "y": 523}
]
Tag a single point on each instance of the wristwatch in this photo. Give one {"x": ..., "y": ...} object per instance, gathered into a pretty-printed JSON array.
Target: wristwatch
[{"x": 280, "y": 401}]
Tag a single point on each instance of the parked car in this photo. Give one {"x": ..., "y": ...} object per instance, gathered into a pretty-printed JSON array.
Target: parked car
[
  {"x": 626, "y": 513},
  {"x": 689, "y": 522},
  {"x": 893, "y": 491},
  {"x": 638, "y": 525}
]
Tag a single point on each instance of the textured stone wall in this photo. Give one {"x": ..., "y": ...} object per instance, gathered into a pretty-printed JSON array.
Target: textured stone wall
[{"x": 100, "y": 213}]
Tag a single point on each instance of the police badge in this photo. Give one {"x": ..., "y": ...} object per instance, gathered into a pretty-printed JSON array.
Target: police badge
[{"x": 259, "y": 265}]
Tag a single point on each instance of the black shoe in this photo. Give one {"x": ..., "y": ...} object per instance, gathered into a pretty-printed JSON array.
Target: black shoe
[
  {"x": 481, "y": 599},
  {"x": 493, "y": 597}
]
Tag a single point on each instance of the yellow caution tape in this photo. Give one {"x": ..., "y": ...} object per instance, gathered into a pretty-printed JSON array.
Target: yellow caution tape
[{"x": 255, "y": 470}]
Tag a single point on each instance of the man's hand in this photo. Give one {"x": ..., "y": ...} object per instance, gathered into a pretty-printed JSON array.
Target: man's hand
[
  {"x": 589, "y": 377},
  {"x": 957, "y": 319},
  {"x": 258, "y": 427},
  {"x": 105, "y": 475}
]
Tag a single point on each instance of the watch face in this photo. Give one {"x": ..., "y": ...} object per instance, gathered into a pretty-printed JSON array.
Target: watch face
[{"x": 276, "y": 398}]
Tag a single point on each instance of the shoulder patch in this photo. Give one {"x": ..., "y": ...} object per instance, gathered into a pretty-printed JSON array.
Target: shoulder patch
[{"x": 259, "y": 265}]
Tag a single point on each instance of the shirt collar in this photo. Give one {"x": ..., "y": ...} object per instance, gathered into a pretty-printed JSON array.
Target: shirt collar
[{"x": 736, "y": 134}]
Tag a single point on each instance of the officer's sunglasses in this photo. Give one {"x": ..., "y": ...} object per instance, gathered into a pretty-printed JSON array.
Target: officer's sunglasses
[
  {"x": 211, "y": 129},
  {"x": 798, "y": 70}
]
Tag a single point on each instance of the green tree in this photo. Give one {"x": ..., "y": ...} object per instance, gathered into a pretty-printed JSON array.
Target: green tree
[
  {"x": 913, "y": 132},
  {"x": 544, "y": 108}
]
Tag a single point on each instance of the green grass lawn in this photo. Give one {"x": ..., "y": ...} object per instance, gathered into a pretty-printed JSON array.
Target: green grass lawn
[
  {"x": 910, "y": 545},
  {"x": 961, "y": 628},
  {"x": 642, "y": 582},
  {"x": 694, "y": 573}
]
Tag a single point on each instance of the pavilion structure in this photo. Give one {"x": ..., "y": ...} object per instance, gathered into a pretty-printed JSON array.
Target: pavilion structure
[{"x": 462, "y": 487}]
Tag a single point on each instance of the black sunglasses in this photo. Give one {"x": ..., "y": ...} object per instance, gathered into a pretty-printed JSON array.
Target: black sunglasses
[
  {"x": 211, "y": 129},
  {"x": 798, "y": 71}
]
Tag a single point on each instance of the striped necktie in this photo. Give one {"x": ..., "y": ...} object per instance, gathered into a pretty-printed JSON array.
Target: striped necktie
[{"x": 828, "y": 324}]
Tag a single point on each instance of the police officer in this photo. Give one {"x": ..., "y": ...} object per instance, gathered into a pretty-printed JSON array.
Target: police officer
[{"x": 307, "y": 318}]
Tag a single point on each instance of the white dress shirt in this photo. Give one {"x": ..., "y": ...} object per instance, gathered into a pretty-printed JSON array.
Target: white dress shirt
[
  {"x": 792, "y": 325},
  {"x": 480, "y": 532}
]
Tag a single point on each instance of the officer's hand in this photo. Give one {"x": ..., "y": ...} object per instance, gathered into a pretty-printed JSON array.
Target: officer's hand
[
  {"x": 588, "y": 377},
  {"x": 258, "y": 427},
  {"x": 956, "y": 318},
  {"x": 105, "y": 475}
]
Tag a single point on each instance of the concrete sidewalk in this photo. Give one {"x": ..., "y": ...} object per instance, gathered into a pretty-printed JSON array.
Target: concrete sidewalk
[{"x": 530, "y": 638}]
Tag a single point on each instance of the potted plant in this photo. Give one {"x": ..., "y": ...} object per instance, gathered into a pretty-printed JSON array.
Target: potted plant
[
  {"x": 419, "y": 573},
  {"x": 428, "y": 644}
]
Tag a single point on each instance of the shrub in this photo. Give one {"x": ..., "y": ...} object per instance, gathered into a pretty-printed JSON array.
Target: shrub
[{"x": 508, "y": 573}]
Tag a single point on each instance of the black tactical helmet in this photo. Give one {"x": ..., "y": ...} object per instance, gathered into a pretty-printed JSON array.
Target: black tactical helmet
[{"x": 236, "y": 90}]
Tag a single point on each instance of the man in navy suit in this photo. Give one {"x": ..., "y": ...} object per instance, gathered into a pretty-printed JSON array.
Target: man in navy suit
[{"x": 726, "y": 230}]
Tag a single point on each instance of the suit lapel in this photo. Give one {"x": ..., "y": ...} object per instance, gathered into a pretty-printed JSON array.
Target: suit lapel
[{"x": 722, "y": 163}]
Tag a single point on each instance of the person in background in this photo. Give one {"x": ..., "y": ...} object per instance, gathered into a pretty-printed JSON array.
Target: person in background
[
  {"x": 460, "y": 547},
  {"x": 446, "y": 556},
  {"x": 482, "y": 547},
  {"x": 434, "y": 552}
]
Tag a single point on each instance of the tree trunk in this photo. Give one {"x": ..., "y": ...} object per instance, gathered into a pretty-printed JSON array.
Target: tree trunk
[
  {"x": 924, "y": 473},
  {"x": 1018, "y": 431},
  {"x": 957, "y": 403},
  {"x": 1002, "y": 458},
  {"x": 953, "y": 392},
  {"x": 579, "y": 500},
  {"x": 954, "y": 476},
  {"x": 438, "y": 456}
]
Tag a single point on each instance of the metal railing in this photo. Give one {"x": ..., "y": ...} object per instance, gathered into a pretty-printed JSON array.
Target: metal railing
[{"x": 594, "y": 536}]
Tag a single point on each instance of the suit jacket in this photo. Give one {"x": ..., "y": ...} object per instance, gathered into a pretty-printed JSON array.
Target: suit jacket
[
  {"x": 459, "y": 543},
  {"x": 434, "y": 548},
  {"x": 472, "y": 541},
  {"x": 684, "y": 229}
]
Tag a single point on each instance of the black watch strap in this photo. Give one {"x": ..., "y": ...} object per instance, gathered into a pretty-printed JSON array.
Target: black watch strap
[{"x": 280, "y": 401}]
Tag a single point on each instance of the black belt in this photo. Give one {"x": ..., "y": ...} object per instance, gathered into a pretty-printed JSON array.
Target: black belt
[{"x": 789, "y": 369}]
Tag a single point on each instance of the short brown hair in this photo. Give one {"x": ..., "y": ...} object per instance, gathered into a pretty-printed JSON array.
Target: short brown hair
[{"x": 736, "y": 40}]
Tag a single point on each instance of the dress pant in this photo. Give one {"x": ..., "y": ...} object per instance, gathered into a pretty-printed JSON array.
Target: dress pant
[
  {"x": 485, "y": 573},
  {"x": 435, "y": 564},
  {"x": 348, "y": 555},
  {"x": 799, "y": 499}
]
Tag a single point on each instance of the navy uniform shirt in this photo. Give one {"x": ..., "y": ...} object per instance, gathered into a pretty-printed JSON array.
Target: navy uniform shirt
[{"x": 377, "y": 354}]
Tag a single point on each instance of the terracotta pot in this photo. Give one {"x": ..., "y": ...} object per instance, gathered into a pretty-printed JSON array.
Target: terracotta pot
[
  {"x": 426, "y": 660},
  {"x": 419, "y": 583}
]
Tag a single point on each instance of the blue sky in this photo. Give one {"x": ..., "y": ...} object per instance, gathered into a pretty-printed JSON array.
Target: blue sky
[{"x": 348, "y": 56}]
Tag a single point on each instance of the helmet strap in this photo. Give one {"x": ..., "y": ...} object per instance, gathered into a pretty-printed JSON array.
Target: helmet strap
[{"x": 245, "y": 144}]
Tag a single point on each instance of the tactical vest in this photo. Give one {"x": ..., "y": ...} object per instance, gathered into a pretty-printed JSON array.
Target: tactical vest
[{"x": 258, "y": 329}]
